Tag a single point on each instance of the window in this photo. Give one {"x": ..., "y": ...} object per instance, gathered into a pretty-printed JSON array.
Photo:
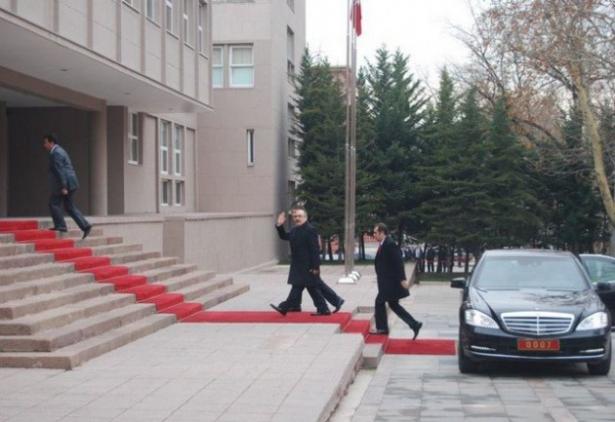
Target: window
[
  {"x": 290, "y": 116},
  {"x": 169, "y": 12},
  {"x": 290, "y": 53},
  {"x": 291, "y": 192},
  {"x": 250, "y": 141},
  {"x": 292, "y": 148},
  {"x": 165, "y": 139},
  {"x": 165, "y": 192},
  {"x": 187, "y": 24},
  {"x": 179, "y": 193},
  {"x": 133, "y": 138},
  {"x": 291, "y": 4},
  {"x": 152, "y": 10},
  {"x": 217, "y": 68},
  {"x": 202, "y": 28},
  {"x": 241, "y": 67},
  {"x": 178, "y": 148}
]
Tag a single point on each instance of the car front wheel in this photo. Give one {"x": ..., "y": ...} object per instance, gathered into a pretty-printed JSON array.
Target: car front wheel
[
  {"x": 466, "y": 366},
  {"x": 600, "y": 368}
]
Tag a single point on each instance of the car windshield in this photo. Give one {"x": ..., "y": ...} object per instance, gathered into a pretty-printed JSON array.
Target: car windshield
[
  {"x": 529, "y": 272},
  {"x": 600, "y": 269}
]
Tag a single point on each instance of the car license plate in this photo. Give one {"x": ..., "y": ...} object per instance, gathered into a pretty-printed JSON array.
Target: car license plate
[{"x": 537, "y": 345}]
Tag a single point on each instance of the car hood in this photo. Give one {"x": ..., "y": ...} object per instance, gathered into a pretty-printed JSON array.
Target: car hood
[{"x": 578, "y": 303}]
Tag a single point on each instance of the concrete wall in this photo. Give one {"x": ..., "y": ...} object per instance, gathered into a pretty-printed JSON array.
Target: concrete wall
[
  {"x": 141, "y": 181},
  {"x": 222, "y": 242},
  {"x": 28, "y": 162}
]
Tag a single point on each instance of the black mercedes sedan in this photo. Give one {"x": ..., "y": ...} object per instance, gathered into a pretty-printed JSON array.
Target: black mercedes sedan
[
  {"x": 601, "y": 269},
  {"x": 532, "y": 306}
]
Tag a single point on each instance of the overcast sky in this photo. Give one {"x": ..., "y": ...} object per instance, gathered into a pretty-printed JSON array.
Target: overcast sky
[{"x": 420, "y": 28}]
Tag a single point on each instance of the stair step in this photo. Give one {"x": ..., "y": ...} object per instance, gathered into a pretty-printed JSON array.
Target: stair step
[
  {"x": 183, "y": 310},
  {"x": 164, "y": 300},
  {"x": 88, "y": 262},
  {"x": 21, "y": 290},
  {"x": 164, "y": 273},
  {"x": 58, "y": 317},
  {"x": 145, "y": 291},
  {"x": 127, "y": 281},
  {"x": 14, "y": 225},
  {"x": 75, "y": 233},
  {"x": 123, "y": 258},
  {"x": 12, "y": 249},
  {"x": 74, "y": 355},
  {"x": 107, "y": 250},
  {"x": 53, "y": 339},
  {"x": 185, "y": 280},
  {"x": 203, "y": 288},
  {"x": 221, "y": 295},
  {"x": 107, "y": 272},
  {"x": 43, "y": 302},
  {"x": 24, "y": 260},
  {"x": 139, "y": 267},
  {"x": 25, "y": 235},
  {"x": 92, "y": 241},
  {"x": 50, "y": 244},
  {"x": 66, "y": 254},
  {"x": 15, "y": 275},
  {"x": 6, "y": 238}
]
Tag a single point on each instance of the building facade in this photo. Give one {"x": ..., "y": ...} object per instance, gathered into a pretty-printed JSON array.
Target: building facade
[
  {"x": 250, "y": 149},
  {"x": 127, "y": 87}
]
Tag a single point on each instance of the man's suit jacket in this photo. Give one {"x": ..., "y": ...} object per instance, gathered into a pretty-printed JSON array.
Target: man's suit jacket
[
  {"x": 390, "y": 271},
  {"x": 61, "y": 171},
  {"x": 305, "y": 253}
]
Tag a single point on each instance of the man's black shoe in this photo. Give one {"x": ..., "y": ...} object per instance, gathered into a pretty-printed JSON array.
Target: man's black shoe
[
  {"x": 294, "y": 309},
  {"x": 86, "y": 232},
  {"x": 324, "y": 313},
  {"x": 280, "y": 310},
  {"x": 339, "y": 305},
  {"x": 416, "y": 330},
  {"x": 379, "y": 332},
  {"x": 59, "y": 229}
]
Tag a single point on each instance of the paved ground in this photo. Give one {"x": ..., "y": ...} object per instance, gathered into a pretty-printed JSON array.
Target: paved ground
[{"x": 279, "y": 372}]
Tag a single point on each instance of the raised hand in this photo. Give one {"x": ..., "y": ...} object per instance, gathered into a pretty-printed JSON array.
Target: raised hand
[{"x": 281, "y": 219}]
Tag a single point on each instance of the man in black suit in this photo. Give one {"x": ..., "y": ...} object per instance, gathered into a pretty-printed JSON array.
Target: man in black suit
[
  {"x": 392, "y": 283},
  {"x": 63, "y": 182},
  {"x": 304, "y": 266}
]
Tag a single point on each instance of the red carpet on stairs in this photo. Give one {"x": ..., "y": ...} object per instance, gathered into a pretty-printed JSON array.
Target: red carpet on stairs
[{"x": 64, "y": 250}]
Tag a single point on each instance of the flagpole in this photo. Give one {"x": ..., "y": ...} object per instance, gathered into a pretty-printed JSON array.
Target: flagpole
[{"x": 350, "y": 150}]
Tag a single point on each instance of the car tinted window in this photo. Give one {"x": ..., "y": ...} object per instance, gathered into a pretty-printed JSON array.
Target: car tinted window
[
  {"x": 600, "y": 270},
  {"x": 529, "y": 272}
]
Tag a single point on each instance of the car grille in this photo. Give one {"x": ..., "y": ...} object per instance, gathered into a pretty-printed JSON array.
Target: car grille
[{"x": 537, "y": 323}]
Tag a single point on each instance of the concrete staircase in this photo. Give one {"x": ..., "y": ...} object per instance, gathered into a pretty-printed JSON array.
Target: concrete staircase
[{"x": 64, "y": 300}]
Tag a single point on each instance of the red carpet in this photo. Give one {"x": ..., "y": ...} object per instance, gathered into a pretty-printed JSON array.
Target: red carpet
[
  {"x": 70, "y": 253},
  {"x": 182, "y": 310},
  {"x": 14, "y": 225},
  {"x": 398, "y": 346},
  {"x": 24, "y": 235},
  {"x": 107, "y": 272},
  {"x": 165, "y": 300},
  {"x": 50, "y": 244},
  {"x": 340, "y": 318},
  {"x": 145, "y": 291},
  {"x": 90, "y": 262},
  {"x": 124, "y": 282}
]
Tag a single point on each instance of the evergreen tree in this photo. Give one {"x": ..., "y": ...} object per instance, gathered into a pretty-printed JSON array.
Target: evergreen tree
[{"x": 321, "y": 159}]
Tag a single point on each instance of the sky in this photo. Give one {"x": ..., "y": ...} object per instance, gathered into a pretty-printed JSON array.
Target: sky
[{"x": 419, "y": 28}]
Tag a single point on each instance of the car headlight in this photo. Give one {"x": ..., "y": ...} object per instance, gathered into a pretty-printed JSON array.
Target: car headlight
[
  {"x": 594, "y": 321},
  {"x": 479, "y": 319}
]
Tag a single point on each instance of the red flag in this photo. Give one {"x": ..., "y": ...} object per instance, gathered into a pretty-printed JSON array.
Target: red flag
[{"x": 356, "y": 16}]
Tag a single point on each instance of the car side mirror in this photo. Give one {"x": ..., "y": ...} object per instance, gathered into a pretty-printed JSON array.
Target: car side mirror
[
  {"x": 603, "y": 287},
  {"x": 458, "y": 283}
]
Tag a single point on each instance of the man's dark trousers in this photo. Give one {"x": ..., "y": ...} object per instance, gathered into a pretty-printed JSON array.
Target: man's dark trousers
[
  {"x": 325, "y": 291},
  {"x": 381, "y": 312},
  {"x": 56, "y": 201},
  {"x": 294, "y": 299}
]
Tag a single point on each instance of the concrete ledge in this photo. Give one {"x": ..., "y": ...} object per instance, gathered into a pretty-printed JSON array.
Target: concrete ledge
[{"x": 372, "y": 354}]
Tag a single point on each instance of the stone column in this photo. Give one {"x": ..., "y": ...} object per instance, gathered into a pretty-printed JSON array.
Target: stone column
[
  {"x": 4, "y": 161},
  {"x": 98, "y": 163}
]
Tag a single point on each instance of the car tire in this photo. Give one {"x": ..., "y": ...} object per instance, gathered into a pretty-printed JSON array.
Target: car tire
[
  {"x": 466, "y": 366},
  {"x": 600, "y": 368}
]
